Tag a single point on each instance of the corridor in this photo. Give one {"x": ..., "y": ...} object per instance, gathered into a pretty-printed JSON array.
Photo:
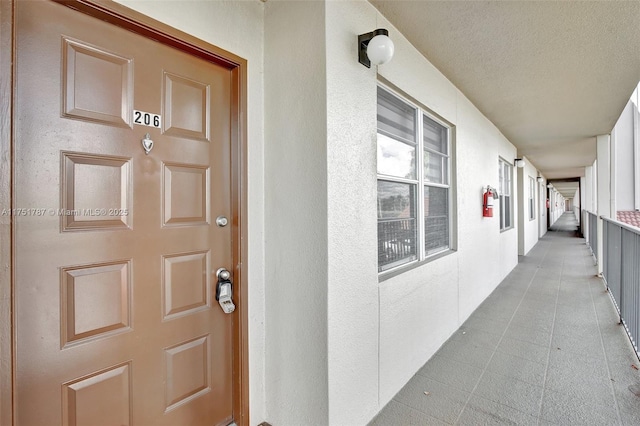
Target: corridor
[{"x": 545, "y": 348}]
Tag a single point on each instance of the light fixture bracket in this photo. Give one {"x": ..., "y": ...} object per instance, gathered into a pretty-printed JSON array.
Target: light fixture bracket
[{"x": 363, "y": 42}]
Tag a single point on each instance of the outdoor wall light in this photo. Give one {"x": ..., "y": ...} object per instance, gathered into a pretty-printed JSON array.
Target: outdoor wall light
[
  {"x": 375, "y": 48},
  {"x": 519, "y": 162},
  {"x": 540, "y": 179},
  {"x": 550, "y": 186}
]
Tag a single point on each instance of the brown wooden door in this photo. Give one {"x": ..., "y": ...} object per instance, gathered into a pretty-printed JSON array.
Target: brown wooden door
[{"x": 116, "y": 250}]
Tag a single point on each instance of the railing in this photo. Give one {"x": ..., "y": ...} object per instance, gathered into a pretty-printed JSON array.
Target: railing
[
  {"x": 592, "y": 233},
  {"x": 396, "y": 242},
  {"x": 621, "y": 271}
]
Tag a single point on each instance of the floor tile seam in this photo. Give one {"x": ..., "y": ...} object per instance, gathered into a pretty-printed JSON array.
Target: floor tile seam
[
  {"x": 606, "y": 359},
  {"x": 502, "y": 351},
  {"x": 483, "y": 345},
  {"x": 519, "y": 357},
  {"x": 501, "y": 404},
  {"x": 526, "y": 382},
  {"x": 470, "y": 327},
  {"x": 576, "y": 353},
  {"x": 546, "y": 368},
  {"x": 567, "y": 385},
  {"x": 528, "y": 328},
  {"x": 420, "y": 373},
  {"x": 484, "y": 370},
  {"x": 419, "y": 411},
  {"x": 449, "y": 385}
]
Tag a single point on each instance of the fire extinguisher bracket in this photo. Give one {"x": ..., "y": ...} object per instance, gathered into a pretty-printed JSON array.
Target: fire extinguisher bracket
[{"x": 488, "y": 196}]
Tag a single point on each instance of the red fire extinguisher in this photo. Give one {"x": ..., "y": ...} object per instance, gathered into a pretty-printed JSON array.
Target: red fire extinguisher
[
  {"x": 547, "y": 203},
  {"x": 487, "y": 201}
]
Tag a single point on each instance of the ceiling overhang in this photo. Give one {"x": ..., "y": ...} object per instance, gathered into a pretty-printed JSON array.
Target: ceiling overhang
[{"x": 550, "y": 75}]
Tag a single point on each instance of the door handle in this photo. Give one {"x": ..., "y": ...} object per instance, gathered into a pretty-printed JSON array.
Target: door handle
[{"x": 224, "y": 291}]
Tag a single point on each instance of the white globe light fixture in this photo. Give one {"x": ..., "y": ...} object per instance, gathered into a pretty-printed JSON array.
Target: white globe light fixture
[
  {"x": 375, "y": 48},
  {"x": 380, "y": 50}
]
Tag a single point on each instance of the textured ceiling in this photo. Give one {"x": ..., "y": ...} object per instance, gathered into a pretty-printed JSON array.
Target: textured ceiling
[
  {"x": 550, "y": 75},
  {"x": 567, "y": 189}
]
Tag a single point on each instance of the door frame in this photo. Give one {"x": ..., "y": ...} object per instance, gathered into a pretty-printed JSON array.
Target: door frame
[{"x": 141, "y": 24}]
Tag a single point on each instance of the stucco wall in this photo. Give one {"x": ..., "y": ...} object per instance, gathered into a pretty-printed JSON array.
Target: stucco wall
[
  {"x": 337, "y": 344},
  {"x": 527, "y": 229},
  {"x": 623, "y": 153},
  {"x": 576, "y": 204},
  {"x": 405, "y": 319},
  {"x": 558, "y": 203},
  {"x": 353, "y": 309},
  {"x": 542, "y": 208},
  {"x": 296, "y": 213},
  {"x": 236, "y": 26}
]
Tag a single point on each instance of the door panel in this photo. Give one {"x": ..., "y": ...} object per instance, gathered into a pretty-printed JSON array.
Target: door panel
[{"x": 116, "y": 319}]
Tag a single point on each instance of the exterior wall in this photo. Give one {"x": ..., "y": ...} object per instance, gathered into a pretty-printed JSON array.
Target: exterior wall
[
  {"x": 237, "y": 27},
  {"x": 622, "y": 141},
  {"x": 329, "y": 344},
  {"x": 353, "y": 294},
  {"x": 296, "y": 213},
  {"x": 584, "y": 205},
  {"x": 542, "y": 208},
  {"x": 527, "y": 228},
  {"x": 589, "y": 187},
  {"x": 594, "y": 183},
  {"x": 557, "y": 205},
  {"x": 576, "y": 204},
  {"x": 404, "y": 319},
  {"x": 603, "y": 190}
]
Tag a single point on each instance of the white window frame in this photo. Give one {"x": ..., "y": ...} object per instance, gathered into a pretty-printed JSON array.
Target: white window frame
[
  {"x": 532, "y": 198},
  {"x": 505, "y": 189},
  {"x": 420, "y": 183}
]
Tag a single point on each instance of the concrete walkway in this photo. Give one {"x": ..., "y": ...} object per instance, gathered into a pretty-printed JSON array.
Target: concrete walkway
[{"x": 544, "y": 349}]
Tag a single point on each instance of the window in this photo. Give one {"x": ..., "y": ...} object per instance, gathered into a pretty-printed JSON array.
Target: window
[
  {"x": 532, "y": 204},
  {"x": 505, "y": 171},
  {"x": 414, "y": 193}
]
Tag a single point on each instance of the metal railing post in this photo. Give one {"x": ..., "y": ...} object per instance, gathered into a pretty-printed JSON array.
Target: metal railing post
[
  {"x": 621, "y": 243},
  {"x": 621, "y": 274}
]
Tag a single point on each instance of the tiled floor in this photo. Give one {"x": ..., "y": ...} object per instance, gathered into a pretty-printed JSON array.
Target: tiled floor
[{"x": 544, "y": 349}]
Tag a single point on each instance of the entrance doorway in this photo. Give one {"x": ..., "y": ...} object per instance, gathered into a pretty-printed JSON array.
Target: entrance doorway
[{"x": 126, "y": 203}]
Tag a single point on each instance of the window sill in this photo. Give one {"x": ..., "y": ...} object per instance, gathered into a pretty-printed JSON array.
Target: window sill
[
  {"x": 507, "y": 229},
  {"x": 383, "y": 276}
]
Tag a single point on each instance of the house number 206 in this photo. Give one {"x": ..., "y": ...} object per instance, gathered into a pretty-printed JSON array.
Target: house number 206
[{"x": 146, "y": 119}]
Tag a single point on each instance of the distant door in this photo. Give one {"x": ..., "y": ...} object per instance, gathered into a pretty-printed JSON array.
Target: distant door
[
  {"x": 116, "y": 250},
  {"x": 540, "y": 209}
]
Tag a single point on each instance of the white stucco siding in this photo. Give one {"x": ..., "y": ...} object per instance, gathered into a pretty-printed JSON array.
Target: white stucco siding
[
  {"x": 328, "y": 342},
  {"x": 421, "y": 308},
  {"x": 542, "y": 207},
  {"x": 528, "y": 228},
  {"x": 418, "y": 313},
  {"x": 576, "y": 204},
  {"x": 236, "y": 26},
  {"x": 622, "y": 145},
  {"x": 296, "y": 213},
  {"x": 352, "y": 225},
  {"x": 486, "y": 254}
]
